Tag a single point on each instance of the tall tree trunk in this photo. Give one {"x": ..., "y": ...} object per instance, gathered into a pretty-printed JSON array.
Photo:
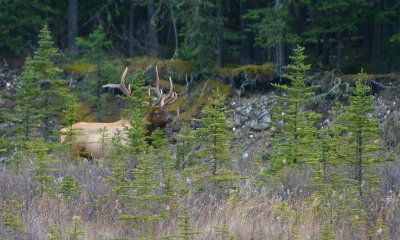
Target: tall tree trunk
[
  {"x": 72, "y": 26},
  {"x": 153, "y": 39},
  {"x": 175, "y": 27},
  {"x": 280, "y": 47},
  {"x": 220, "y": 34},
  {"x": 131, "y": 28}
]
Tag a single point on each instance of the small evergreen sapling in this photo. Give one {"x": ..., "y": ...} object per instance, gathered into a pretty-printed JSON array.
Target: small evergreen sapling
[
  {"x": 214, "y": 162},
  {"x": 294, "y": 142}
]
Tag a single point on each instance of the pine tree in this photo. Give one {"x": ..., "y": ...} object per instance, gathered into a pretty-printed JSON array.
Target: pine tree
[
  {"x": 327, "y": 232},
  {"x": 137, "y": 108},
  {"x": 77, "y": 229},
  {"x": 145, "y": 197},
  {"x": 41, "y": 94},
  {"x": 185, "y": 226},
  {"x": 119, "y": 172},
  {"x": 184, "y": 151},
  {"x": 214, "y": 162},
  {"x": 95, "y": 51},
  {"x": 358, "y": 131},
  {"x": 42, "y": 167},
  {"x": 294, "y": 142}
]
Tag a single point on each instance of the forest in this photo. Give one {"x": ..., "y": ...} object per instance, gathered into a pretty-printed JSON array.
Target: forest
[{"x": 240, "y": 119}]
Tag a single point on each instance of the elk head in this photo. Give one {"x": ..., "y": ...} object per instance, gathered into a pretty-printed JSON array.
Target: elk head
[{"x": 158, "y": 117}]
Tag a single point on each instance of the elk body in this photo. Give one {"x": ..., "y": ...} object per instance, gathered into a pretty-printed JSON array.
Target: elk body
[{"x": 89, "y": 139}]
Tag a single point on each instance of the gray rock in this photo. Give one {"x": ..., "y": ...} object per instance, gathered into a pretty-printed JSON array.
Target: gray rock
[{"x": 261, "y": 122}]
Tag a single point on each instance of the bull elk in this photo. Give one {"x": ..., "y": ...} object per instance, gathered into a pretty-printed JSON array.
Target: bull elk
[{"x": 89, "y": 136}]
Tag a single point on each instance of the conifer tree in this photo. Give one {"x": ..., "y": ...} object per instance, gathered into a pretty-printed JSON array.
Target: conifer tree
[
  {"x": 42, "y": 167},
  {"x": 214, "y": 161},
  {"x": 94, "y": 49},
  {"x": 185, "y": 226},
  {"x": 294, "y": 142},
  {"x": 77, "y": 229},
  {"x": 41, "y": 93},
  {"x": 137, "y": 108},
  {"x": 146, "y": 197},
  {"x": 184, "y": 151},
  {"x": 358, "y": 131},
  {"x": 119, "y": 172}
]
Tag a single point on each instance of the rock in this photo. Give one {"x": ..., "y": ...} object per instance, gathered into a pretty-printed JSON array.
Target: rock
[{"x": 261, "y": 122}]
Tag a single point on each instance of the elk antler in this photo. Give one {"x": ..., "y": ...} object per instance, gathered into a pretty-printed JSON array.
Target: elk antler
[
  {"x": 121, "y": 86},
  {"x": 163, "y": 100}
]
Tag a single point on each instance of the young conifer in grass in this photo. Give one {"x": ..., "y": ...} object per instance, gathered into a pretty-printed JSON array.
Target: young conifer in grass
[
  {"x": 294, "y": 142},
  {"x": 214, "y": 162},
  {"x": 358, "y": 134},
  {"x": 42, "y": 94},
  {"x": 77, "y": 229},
  {"x": 137, "y": 107},
  {"x": 119, "y": 172},
  {"x": 42, "y": 165},
  {"x": 147, "y": 202}
]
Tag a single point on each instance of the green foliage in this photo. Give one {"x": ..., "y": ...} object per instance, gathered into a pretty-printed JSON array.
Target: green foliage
[
  {"x": 41, "y": 94},
  {"x": 77, "y": 229},
  {"x": 137, "y": 107},
  {"x": 184, "y": 151},
  {"x": 94, "y": 49},
  {"x": 145, "y": 197},
  {"x": 53, "y": 234},
  {"x": 69, "y": 187},
  {"x": 222, "y": 231},
  {"x": 200, "y": 17},
  {"x": 10, "y": 215},
  {"x": 42, "y": 167},
  {"x": 213, "y": 160},
  {"x": 327, "y": 232},
  {"x": 294, "y": 142},
  {"x": 118, "y": 176},
  {"x": 359, "y": 133},
  {"x": 271, "y": 25},
  {"x": 185, "y": 226}
]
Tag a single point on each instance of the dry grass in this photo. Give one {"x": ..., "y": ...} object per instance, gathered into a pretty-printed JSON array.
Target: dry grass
[{"x": 272, "y": 212}]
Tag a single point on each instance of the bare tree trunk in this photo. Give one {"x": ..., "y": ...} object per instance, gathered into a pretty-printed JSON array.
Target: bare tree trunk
[
  {"x": 220, "y": 35},
  {"x": 72, "y": 26},
  {"x": 131, "y": 24},
  {"x": 153, "y": 39},
  {"x": 175, "y": 27}
]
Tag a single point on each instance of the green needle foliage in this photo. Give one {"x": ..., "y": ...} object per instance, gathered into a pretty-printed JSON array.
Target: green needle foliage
[
  {"x": 359, "y": 133},
  {"x": 294, "y": 142},
  {"x": 137, "y": 107},
  {"x": 42, "y": 167},
  {"x": 41, "y": 94},
  {"x": 77, "y": 229},
  {"x": 146, "y": 198},
  {"x": 214, "y": 160}
]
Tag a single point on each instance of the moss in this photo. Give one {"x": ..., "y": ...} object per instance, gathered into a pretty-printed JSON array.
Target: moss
[
  {"x": 199, "y": 98},
  {"x": 175, "y": 65},
  {"x": 266, "y": 69},
  {"x": 79, "y": 67}
]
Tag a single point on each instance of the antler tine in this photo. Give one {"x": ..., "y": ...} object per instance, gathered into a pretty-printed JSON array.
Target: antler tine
[{"x": 121, "y": 86}]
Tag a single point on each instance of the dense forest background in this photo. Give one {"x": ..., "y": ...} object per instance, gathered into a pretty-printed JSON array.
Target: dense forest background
[{"x": 341, "y": 34}]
